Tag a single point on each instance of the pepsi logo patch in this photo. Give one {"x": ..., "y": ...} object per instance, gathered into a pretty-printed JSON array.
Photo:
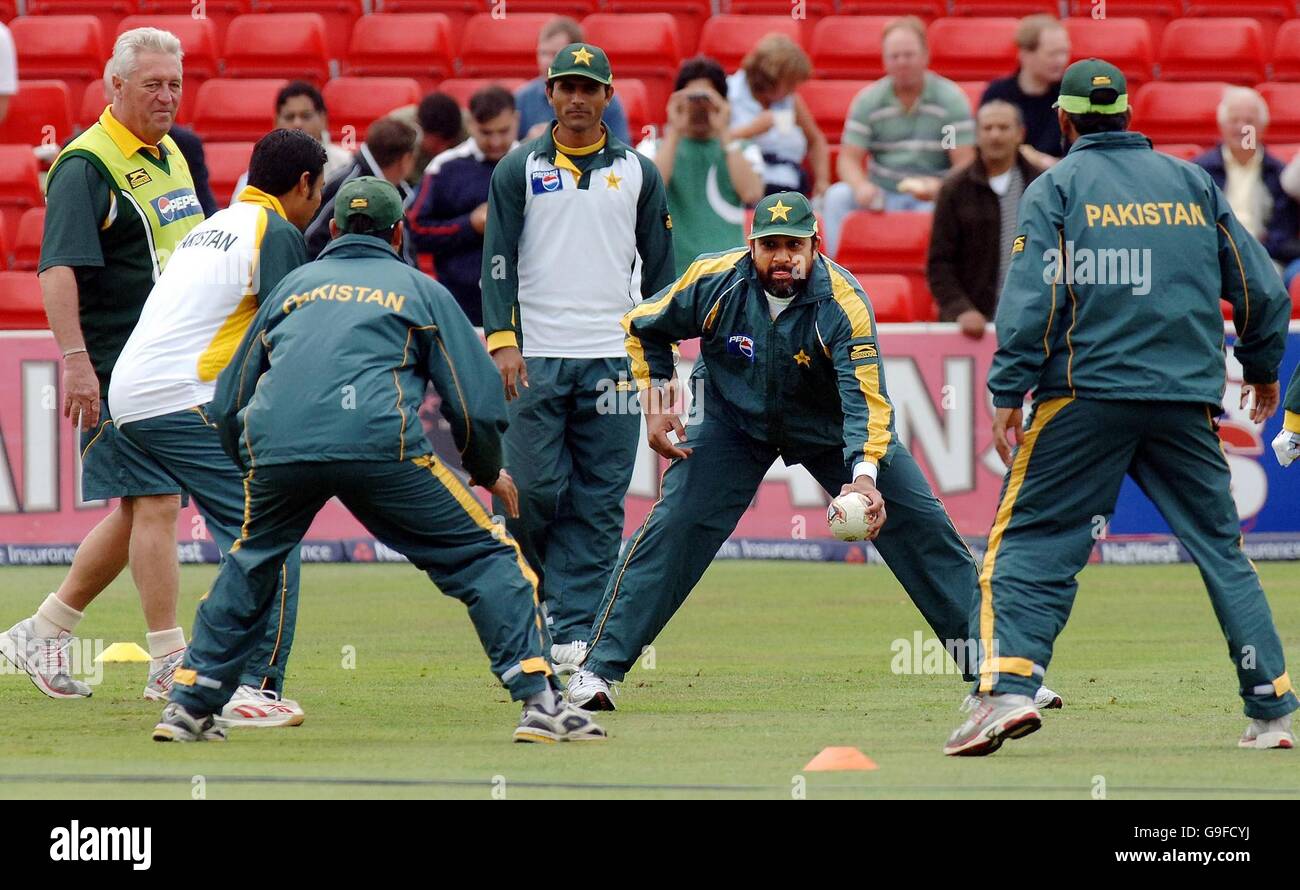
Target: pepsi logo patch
[
  {"x": 176, "y": 205},
  {"x": 546, "y": 181},
  {"x": 741, "y": 345}
]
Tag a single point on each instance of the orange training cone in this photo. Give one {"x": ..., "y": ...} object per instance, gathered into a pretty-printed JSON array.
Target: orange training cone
[{"x": 840, "y": 759}]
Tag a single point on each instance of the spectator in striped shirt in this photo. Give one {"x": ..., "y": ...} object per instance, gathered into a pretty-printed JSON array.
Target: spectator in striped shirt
[{"x": 902, "y": 135}]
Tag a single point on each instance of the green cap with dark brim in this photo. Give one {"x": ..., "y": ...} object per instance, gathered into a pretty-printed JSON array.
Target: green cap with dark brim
[
  {"x": 368, "y": 196},
  {"x": 785, "y": 213},
  {"x": 581, "y": 60},
  {"x": 1093, "y": 86}
]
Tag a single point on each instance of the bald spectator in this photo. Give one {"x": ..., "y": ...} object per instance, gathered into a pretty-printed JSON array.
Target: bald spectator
[
  {"x": 1250, "y": 177},
  {"x": 1043, "y": 46},
  {"x": 903, "y": 134},
  {"x": 975, "y": 220},
  {"x": 766, "y": 110},
  {"x": 535, "y": 111}
]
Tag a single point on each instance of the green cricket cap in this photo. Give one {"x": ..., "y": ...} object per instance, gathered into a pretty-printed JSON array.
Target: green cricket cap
[
  {"x": 581, "y": 60},
  {"x": 785, "y": 213},
  {"x": 368, "y": 196},
  {"x": 1093, "y": 86}
]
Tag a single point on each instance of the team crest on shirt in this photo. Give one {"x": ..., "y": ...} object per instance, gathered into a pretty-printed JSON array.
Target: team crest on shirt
[
  {"x": 176, "y": 205},
  {"x": 741, "y": 345},
  {"x": 546, "y": 181},
  {"x": 137, "y": 178}
]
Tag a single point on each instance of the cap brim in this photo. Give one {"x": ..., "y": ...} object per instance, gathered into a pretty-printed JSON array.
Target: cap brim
[
  {"x": 554, "y": 75},
  {"x": 1084, "y": 105},
  {"x": 792, "y": 231}
]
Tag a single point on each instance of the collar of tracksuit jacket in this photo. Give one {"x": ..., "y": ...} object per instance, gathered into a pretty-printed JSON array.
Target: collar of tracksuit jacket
[
  {"x": 1124, "y": 139},
  {"x": 819, "y": 284},
  {"x": 613, "y": 150},
  {"x": 358, "y": 246}
]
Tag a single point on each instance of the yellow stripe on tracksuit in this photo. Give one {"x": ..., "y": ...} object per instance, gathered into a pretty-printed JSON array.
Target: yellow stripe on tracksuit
[
  {"x": 879, "y": 410},
  {"x": 694, "y": 272},
  {"x": 213, "y": 359},
  {"x": 476, "y": 512},
  {"x": 1023, "y": 667}
]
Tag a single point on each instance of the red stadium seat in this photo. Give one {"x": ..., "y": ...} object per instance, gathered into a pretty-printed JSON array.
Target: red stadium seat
[
  {"x": 340, "y": 16},
  {"x": 927, "y": 10},
  {"x": 109, "y": 12},
  {"x": 813, "y": 11},
  {"x": 1269, "y": 13},
  {"x": 20, "y": 189},
  {"x": 462, "y": 88},
  {"x": 219, "y": 12},
  {"x": 198, "y": 39},
  {"x": 890, "y": 296},
  {"x": 21, "y": 306},
  {"x": 1178, "y": 112},
  {"x": 71, "y": 48},
  {"x": 974, "y": 90},
  {"x": 1283, "y": 151},
  {"x": 828, "y": 101},
  {"x": 1124, "y": 42},
  {"x": 1017, "y": 8},
  {"x": 27, "y": 240},
  {"x": 415, "y": 45},
  {"x": 728, "y": 38},
  {"x": 456, "y": 11},
  {"x": 1286, "y": 52},
  {"x": 632, "y": 93},
  {"x": 360, "y": 101},
  {"x": 973, "y": 48},
  {"x": 40, "y": 112},
  {"x": 574, "y": 9},
  {"x": 1295, "y": 297},
  {"x": 690, "y": 16},
  {"x": 1220, "y": 49},
  {"x": 896, "y": 243},
  {"x": 501, "y": 47},
  {"x": 227, "y": 161},
  {"x": 849, "y": 47},
  {"x": 236, "y": 110},
  {"x": 1156, "y": 13},
  {"x": 1283, "y": 111},
  {"x": 284, "y": 44},
  {"x": 1184, "y": 150},
  {"x": 644, "y": 46}
]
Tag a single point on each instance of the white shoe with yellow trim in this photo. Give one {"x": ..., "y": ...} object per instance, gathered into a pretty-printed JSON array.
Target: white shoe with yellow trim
[{"x": 250, "y": 706}]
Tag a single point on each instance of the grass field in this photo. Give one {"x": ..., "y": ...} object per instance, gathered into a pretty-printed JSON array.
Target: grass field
[{"x": 767, "y": 664}]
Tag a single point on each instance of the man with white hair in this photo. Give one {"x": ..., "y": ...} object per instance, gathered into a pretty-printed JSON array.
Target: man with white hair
[
  {"x": 119, "y": 200},
  {"x": 1250, "y": 177}
]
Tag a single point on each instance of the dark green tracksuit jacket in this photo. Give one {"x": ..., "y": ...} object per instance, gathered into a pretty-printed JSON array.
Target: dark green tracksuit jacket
[
  {"x": 1110, "y": 314},
  {"x": 575, "y": 238},
  {"x": 809, "y": 386},
  {"x": 322, "y": 399}
]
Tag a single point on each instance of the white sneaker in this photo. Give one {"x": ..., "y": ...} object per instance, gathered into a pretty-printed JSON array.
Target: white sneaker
[
  {"x": 161, "y": 672},
  {"x": 44, "y": 659},
  {"x": 250, "y": 706},
  {"x": 1046, "y": 699},
  {"x": 993, "y": 719},
  {"x": 1264, "y": 734},
  {"x": 590, "y": 692},
  {"x": 568, "y": 657}
]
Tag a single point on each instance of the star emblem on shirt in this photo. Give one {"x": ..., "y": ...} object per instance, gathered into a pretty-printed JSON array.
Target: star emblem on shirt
[
  {"x": 612, "y": 181},
  {"x": 803, "y": 358},
  {"x": 582, "y": 57},
  {"x": 779, "y": 211}
]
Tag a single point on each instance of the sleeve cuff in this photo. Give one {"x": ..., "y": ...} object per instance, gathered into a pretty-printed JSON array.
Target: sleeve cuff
[
  {"x": 1291, "y": 422},
  {"x": 502, "y": 339},
  {"x": 1258, "y": 375},
  {"x": 1008, "y": 400},
  {"x": 865, "y": 468}
]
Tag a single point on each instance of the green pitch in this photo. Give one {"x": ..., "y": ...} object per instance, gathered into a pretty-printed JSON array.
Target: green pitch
[{"x": 767, "y": 664}]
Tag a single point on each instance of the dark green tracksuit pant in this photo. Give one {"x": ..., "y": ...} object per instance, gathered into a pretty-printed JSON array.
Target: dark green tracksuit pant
[
  {"x": 570, "y": 448},
  {"x": 418, "y": 508},
  {"x": 1063, "y": 481},
  {"x": 189, "y": 450},
  {"x": 703, "y": 499}
]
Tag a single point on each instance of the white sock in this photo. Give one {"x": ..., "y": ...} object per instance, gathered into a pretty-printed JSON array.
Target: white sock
[
  {"x": 165, "y": 642},
  {"x": 548, "y": 700},
  {"x": 55, "y": 615}
]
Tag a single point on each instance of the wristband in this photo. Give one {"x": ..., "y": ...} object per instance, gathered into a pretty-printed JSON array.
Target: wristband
[{"x": 71, "y": 352}]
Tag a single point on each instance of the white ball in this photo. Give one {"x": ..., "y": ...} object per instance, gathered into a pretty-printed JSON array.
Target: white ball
[{"x": 847, "y": 517}]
